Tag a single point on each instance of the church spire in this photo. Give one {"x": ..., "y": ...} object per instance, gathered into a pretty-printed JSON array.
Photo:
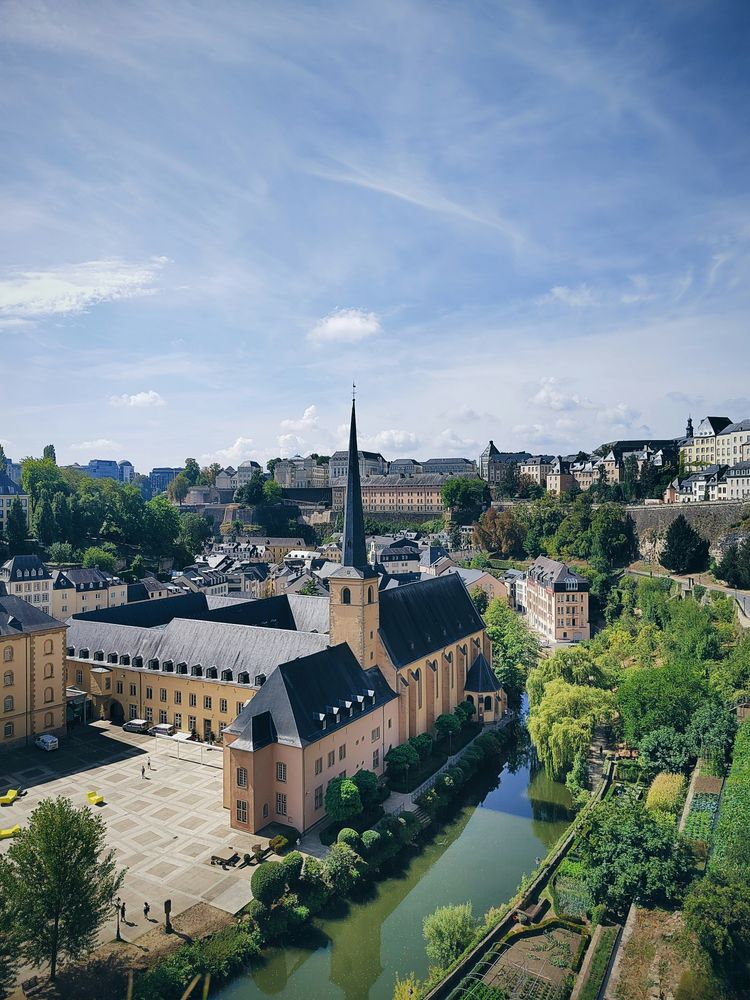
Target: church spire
[{"x": 353, "y": 548}]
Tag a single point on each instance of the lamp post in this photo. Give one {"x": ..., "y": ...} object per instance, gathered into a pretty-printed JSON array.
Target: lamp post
[{"x": 118, "y": 936}]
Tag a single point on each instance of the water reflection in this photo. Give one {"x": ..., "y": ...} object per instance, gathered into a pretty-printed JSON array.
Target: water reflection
[{"x": 480, "y": 853}]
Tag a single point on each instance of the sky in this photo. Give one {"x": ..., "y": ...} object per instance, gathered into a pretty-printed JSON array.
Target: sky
[{"x": 520, "y": 220}]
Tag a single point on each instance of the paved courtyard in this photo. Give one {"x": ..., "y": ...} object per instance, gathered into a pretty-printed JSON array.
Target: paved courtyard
[{"x": 164, "y": 827}]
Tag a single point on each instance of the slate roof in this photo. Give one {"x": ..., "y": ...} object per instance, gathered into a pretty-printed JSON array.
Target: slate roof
[
  {"x": 538, "y": 460},
  {"x": 22, "y": 567},
  {"x": 481, "y": 677},
  {"x": 311, "y": 614},
  {"x": 83, "y": 578},
  {"x": 401, "y": 482},
  {"x": 741, "y": 425},
  {"x": 551, "y": 573},
  {"x": 226, "y": 646},
  {"x": 288, "y": 706},
  {"x": 433, "y": 554},
  {"x": 420, "y": 618},
  {"x": 740, "y": 469},
  {"x": 469, "y": 576},
  {"x": 9, "y": 488},
  {"x": 18, "y": 617}
]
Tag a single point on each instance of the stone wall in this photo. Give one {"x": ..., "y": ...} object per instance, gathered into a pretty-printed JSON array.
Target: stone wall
[{"x": 712, "y": 520}]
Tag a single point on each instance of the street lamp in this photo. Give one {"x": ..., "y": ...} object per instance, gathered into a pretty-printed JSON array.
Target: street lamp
[{"x": 118, "y": 936}]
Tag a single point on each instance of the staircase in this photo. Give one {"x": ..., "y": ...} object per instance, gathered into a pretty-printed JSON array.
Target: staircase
[
  {"x": 422, "y": 816},
  {"x": 596, "y": 761}
]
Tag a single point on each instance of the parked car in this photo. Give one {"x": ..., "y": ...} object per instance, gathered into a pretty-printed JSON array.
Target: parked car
[
  {"x": 163, "y": 729},
  {"x": 47, "y": 742},
  {"x": 136, "y": 726}
]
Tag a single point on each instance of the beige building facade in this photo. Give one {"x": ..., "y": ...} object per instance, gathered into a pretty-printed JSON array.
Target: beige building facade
[
  {"x": 557, "y": 601},
  {"x": 420, "y": 494},
  {"x": 28, "y": 578},
  {"x": 75, "y": 591}
]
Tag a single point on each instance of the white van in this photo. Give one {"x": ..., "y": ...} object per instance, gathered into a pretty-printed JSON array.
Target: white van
[
  {"x": 163, "y": 729},
  {"x": 47, "y": 742},
  {"x": 136, "y": 726}
]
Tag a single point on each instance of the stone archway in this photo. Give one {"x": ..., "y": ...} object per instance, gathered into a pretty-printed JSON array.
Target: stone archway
[{"x": 116, "y": 713}]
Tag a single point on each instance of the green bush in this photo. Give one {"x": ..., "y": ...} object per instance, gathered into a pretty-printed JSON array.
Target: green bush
[
  {"x": 277, "y": 843},
  {"x": 371, "y": 842},
  {"x": 292, "y": 865},
  {"x": 731, "y": 852},
  {"x": 422, "y": 744},
  {"x": 350, "y": 837},
  {"x": 368, "y": 786},
  {"x": 314, "y": 885},
  {"x": 410, "y": 827},
  {"x": 268, "y": 882},
  {"x": 256, "y": 911}
]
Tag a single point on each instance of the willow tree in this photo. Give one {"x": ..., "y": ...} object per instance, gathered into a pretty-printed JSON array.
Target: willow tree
[{"x": 563, "y": 722}]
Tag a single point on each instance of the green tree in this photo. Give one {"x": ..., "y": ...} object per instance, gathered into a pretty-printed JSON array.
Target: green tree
[
  {"x": 138, "y": 567},
  {"x": 631, "y": 857},
  {"x": 717, "y": 911},
  {"x": 61, "y": 514},
  {"x": 192, "y": 471},
  {"x": 272, "y": 463},
  {"x": 98, "y": 557},
  {"x": 400, "y": 758},
  {"x": 500, "y": 532},
  {"x": 342, "y": 800},
  {"x": 272, "y": 492},
  {"x": 41, "y": 475},
  {"x": 178, "y": 488},
  {"x": 209, "y": 473},
  {"x": 612, "y": 537},
  {"x": 343, "y": 868},
  {"x": 309, "y": 589},
  {"x": 734, "y": 567},
  {"x": 16, "y": 526},
  {"x": 422, "y": 744},
  {"x": 62, "y": 552},
  {"x": 3, "y": 460},
  {"x": 664, "y": 749},
  {"x": 685, "y": 551},
  {"x": 711, "y": 734},
  {"x": 447, "y": 725},
  {"x": 194, "y": 531},
  {"x": 448, "y": 931},
  {"x": 251, "y": 494},
  {"x": 9, "y": 945},
  {"x": 268, "y": 882},
  {"x": 62, "y": 880},
  {"x": 367, "y": 786},
  {"x": 563, "y": 722},
  {"x": 658, "y": 696},
  {"x": 463, "y": 494},
  {"x": 480, "y": 599},
  {"x": 161, "y": 526},
  {"x": 49, "y": 453},
  {"x": 44, "y": 522},
  {"x": 514, "y": 649}
]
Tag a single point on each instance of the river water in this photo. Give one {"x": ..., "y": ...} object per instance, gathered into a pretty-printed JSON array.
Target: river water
[{"x": 506, "y": 821}]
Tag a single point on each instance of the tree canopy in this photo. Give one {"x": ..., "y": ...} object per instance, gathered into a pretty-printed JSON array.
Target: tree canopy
[
  {"x": 685, "y": 551},
  {"x": 563, "y": 722}
]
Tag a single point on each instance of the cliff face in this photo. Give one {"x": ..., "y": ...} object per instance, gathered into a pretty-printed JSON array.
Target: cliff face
[{"x": 715, "y": 521}]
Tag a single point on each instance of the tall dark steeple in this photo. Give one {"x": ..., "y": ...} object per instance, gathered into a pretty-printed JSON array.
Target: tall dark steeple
[
  {"x": 353, "y": 551},
  {"x": 689, "y": 428}
]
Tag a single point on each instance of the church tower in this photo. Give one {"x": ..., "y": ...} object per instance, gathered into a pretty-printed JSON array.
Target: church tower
[{"x": 355, "y": 612}]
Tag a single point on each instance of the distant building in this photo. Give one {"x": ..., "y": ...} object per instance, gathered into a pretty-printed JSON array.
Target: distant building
[
  {"x": 731, "y": 441},
  {"x": 32, "y": 656},
  {"x": 450, "y": 466},
  {"x": 738, "y": 481},
  {"x": 559, "y": 478},
  {"x": 400, "y": 557},
  {"x": 82, "y": 589},
  {"x": 161, "y": 478},
  {"x": 493, "y": 464},
  {"x": 126, "y": 471},
  {"x": 699, "y": 449},
  {"x": 28, "y": 578},
  {"x": 103, "y": 468},
  {"x": 201, "y": 580},
  {"x": 9, "y": 490},
  {"x": 233, "y": 479},
  {"x": 371, "y": 463},
  {"x": 404, "y": 467},
  {"x": 399, "y": 494},
  {"x": 557, "y": 601},
  {"x": 301, "y": 473},
  {"x": 536, "y": 468},
  {"x": 13, "y": 470}
]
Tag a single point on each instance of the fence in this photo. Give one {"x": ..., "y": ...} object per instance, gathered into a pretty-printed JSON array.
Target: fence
[{"x": 188, "y": 750}]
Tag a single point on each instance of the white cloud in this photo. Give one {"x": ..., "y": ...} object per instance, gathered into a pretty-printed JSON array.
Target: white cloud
[
  {"x": 290, "y": 444},
  {"x": 620, "y": 415},
  {"x": 138, "y": 399},
  {"x": 308, "y": 421},
  {"x": 234, "y": 454},
  {"x": 345, "y": 326},
  {"x": 452, "y": 445},
  {"x": 579, "y": 297},
  {"x": 553, "y": 398},
  {"x": 95, "y": 445},
  {"x": 72, "y": 288},
  {"x": 392, "y": 441}
]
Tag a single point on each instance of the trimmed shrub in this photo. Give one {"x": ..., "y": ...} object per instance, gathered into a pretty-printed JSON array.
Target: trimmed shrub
[
  {"x": 369, "y": 789},
  {"x": 371, "y": 842},
  {"x": 268, "y": 882},
  {"x": 666, "y": 793},
  {"x": 314, "y": 886},
  {"x": 292, "y": 865},
  {"x": 256, "y": 911},
  {"x": 277, "y": 843},
  {"x": 410, "y": 827},
  {"x": 350, "y": 837}
]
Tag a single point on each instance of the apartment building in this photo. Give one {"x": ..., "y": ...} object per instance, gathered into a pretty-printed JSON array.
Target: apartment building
[
  {"x": 10, "y": 491},
  {"x": 536, "y": 468},
  {"x": 28, "y": 578},
  {"x": 450, "y": 466},
  {"x": 301, "y": 473},
  {"x": 732, "y": 442},
  {"x": 415, "y": 494},
  {"x": 32, "y": 655},
  {"x": 700, "y": 449},
  {"x": 161, "y": 477},
  {"x": 82, "y": 589},
  {"x": 231, "y": 478},
  {"x": 559, "y": 478},
  {"x": 371, "y": 463},
  {"x": 557, "y": 601},
  {"x": 707, "y": 484}
]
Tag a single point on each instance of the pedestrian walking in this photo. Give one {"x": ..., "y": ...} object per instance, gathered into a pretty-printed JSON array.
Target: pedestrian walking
[
  {"x": 148, "y": 763},
  {"x": 143, "y": 771},
  {"x": 146, "y": 910}
]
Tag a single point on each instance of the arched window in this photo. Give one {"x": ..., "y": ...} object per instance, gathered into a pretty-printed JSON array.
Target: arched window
[
  {"x": 48, "y": 646},
  {"x": 8, "y": 678},
  {"x": 8, "y": 703},
  {"x": 470, "y": 698},
  {"x": 49, "y": 720},
  {"x": 346, "y": 596},
  {"x": 49, "y": 695},
  {"x": 8, "y": 654},
  {"x": 487, "y": 703},
  {"x": 49, "y": 670},
  {"x": 369, "y": 595}
]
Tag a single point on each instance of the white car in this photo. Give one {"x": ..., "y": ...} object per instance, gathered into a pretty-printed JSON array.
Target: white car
[{"x": 47, "y": 742}]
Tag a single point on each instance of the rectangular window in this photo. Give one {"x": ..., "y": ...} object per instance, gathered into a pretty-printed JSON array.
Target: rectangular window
[
  {"x": 242, "y": 777},
  {"x": 193, "y": 700},
  {"x": 149, "y": 714},
  {"x": 239, "y": 707},
  {"x": 107, "y": 683},
  {"x": 331, "y": 758},
  {"x": 118, "y": 687},
  {"x": 79, "y": 677},
  {"x": 133, "y": 711},
  {"x": 178, "y": 697},
  {"x": 222, "y": 704},
  {"x": 241, "y": 811},
  {"x": 162, "y": 694},
  {"x": 319, "y": 797},
  {"x": 191, "y": 723},
  {"x": 319, "y": 765},
  {"x": 375, "y": 735},
  {"x": 207, "y": 702},
  {"x": 132, "y": 690},
  {"x": 280, "y": 804},
  {"x": 163, "y": 716},
  {"x": 149, "y": 693},
  {"x": 178, "y": 720},
  {"x": 376, "y": 759},
  {"x": 265, "y": 810},
  {"x": 281, "y": 771},
  {"x": 342, "y": 751},
  {"x": 8, "y": 730}
]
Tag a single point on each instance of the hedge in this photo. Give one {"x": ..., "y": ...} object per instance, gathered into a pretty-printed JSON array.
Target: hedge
[
  {"x": 599, "y": 962},
  {"x": 732, "y": 829}
]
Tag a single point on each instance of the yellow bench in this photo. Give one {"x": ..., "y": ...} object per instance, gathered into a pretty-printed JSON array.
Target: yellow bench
[
  {"x": 10, "y": 796},
  {"x": 94, "y": 799},
  {"x": 12, "y": 831}
]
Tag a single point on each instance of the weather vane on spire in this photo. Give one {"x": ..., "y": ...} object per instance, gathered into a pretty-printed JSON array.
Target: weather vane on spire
[{"x": 354, "y": 391}]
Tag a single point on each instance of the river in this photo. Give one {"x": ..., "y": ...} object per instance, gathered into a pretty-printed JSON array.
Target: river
[{"x": 506, "y": 821}]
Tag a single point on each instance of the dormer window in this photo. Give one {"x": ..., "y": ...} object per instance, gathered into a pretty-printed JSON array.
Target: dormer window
[
  {"x": 125, "y": 659},
  {"x": 137, "y": 661},
  {"x": 182, "y": 667},
  {"x": 196, "y": 670},
  {"x": 99, "y": 655},
  {"x": 111, "y": 657}
]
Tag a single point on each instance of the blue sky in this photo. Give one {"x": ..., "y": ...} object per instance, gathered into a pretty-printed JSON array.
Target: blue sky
[{"x": 521, "y": 220}]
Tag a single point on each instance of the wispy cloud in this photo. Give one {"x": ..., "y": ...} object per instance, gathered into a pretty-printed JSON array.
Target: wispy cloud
[
  {"x": 242, "y": 449},
  {"x": 307, "y": 422},
  {"x": 345, "y": 326},
  {"x": 551, "y": 395},
  {"x": 138, "y": 400},
  {"x": 98, "y": 444}
]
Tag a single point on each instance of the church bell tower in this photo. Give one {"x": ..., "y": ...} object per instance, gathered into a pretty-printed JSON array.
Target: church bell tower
[{"x": 355, "y": 612}]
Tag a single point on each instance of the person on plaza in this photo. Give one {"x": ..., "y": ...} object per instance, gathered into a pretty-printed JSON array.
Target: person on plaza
[
  {"x": 143, "y": 771},
  {"x": 122, "y": 912},
  {"x": 146, "y": 910}
]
